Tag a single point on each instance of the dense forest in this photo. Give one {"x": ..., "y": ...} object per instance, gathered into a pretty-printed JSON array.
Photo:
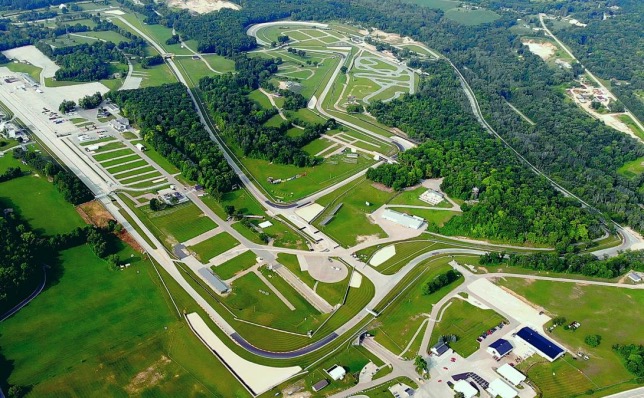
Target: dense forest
[
  {"x": 513, "y": 204},
  {"x": 169, "y": 123},
  {"x": 84, "y": 62},
  {"x": 240, "y": 120}
]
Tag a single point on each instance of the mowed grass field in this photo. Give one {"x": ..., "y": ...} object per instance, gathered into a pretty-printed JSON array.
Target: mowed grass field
[
  {"x": 606, "y": 311},
  {"x": 397, "y": 324},
  {"x": 467, "y": 322},
  {"x": 212, "y": 247},
  {"x": 311, "y": 180},
  {"x": 178, "y": 223},
  {"x": 236, "y": 264},
  {"x": 351, "y": 223},
  {"x": 43, "y": 198},
  {"x": 117, "y": 336},
  {"x": 632, "y": 169}
]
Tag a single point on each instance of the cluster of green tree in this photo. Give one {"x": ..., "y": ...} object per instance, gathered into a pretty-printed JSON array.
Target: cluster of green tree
[
  {"x": 633, "y": 355},
  {"x": 400, "y": 53},
  {"x": 13, "y": 36},
  {"x": 513, "y": 203},
  {"x": 148, "y": 62},
  {"x": 292, "y": 100},
  {"x": 4, "y": 59},
  {"x": 36, "y": 15},
  {"x": 355, "y": 108},
  {"x": 10, "y": 174},
  {"x": 18, "y": 261},
  {"x": 136, "y": 46},
  {"x": 440, "y": 281},
  {"x": 91, "y": 101},
  {"x": 611, "y": 49},
  {"x": 168, "y": 122},
  {"x": 240, "y": 120},
  {"x": 30, "y": 4},
  {"x": 174, "y": 39},
  {"x": 84, "y": 62},
  {"x": 584, "y": 264},
  {"x": 72, "y": 188},
  {"x": 297, "y": 52},
  {"x": 67, "y": 106}
]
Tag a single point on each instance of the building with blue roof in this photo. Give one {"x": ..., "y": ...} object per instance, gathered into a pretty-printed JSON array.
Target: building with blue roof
[
  {"x": 500, "y": 348},
  {"x": 542, "y": 345}
]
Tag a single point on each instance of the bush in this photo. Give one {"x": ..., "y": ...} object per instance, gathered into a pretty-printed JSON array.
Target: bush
[{"x": 593, "y": 340}]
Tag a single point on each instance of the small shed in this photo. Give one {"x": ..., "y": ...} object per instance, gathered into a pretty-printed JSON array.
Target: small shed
[
  {"x": 440, "y": 348},
  {"x": 320, "y": 385},
  {"x": 140, "y": 147},
  {"x": 634, "y": 277}
]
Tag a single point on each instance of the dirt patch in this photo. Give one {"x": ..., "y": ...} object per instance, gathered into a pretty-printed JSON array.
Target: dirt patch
[
  {"x": 544, "y": 50},
  {"x": 296, "y": 390},
  {"x": 129, "y": 240},
  {"x": 94, "y": 213},
  {"x": 381, "y": 187},
  {"x": 366, "y": 238},
  {"x": 149, "y": 377},
  {"x": 202, "y": 6}
]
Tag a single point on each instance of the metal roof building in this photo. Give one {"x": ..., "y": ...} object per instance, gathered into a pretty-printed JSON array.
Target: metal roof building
[
  {"x": 403, "y": 219},
  {"x": 214, "y": 281},
  {"x": 543, "y": 346},
  {"x": 440, "y": 348},
  {"x": 511, "y": 374},
  {"x": 465, "y": 388},
  {"x": 498, "y": 388}
]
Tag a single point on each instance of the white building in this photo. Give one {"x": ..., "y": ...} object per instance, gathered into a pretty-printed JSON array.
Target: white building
[
  {"x": 498, "y": 388},
  {"x": 120, "y": 124},
  {"x": 413, "y": 222},
  {"x": 510, "y": 374},
  {"x": 465, "y": 388},
  {"x": 432, "y": 197},
  {"x": 336, "y": 372},
  {"x": 140, "y": 147}
]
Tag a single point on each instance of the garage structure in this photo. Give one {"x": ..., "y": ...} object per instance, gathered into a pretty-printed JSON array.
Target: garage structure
[{"x": 543, "y": 346}]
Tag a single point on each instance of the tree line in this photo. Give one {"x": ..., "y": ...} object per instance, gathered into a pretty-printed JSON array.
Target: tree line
[
  {"x": 583, "y": 264},
  {"x": 84, "y": 62}
]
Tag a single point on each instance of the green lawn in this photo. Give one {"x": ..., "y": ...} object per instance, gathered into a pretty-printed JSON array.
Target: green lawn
[
  {"x": 398, "y": 322},
  {"x": 157, "y": 158},
  {"x": 261, "y": 99},
  {"x": 467, "y": 322},
  {"x": 599, "y": 309},
  {"x": 112, "y": 36},
  {"x": 126, "y": 167},
  {"x": 179, "y": 223},
  {"x": 436, "y": 217},
  {"x": 312, "y": 179},
  {"x": 471, "y": 17},
  {"x": 44, "y": 198},
  {"x": 252, "y": 300},
  {"x": 154, "y": 75},
  {"x": 411, "y": 197},
  {"x": 195, "y": 69},
  {"x": 236, "y": 264},
  {"x": 115, "y": 154},
  {"x": 351, "y": 224},
  {"x": 29, "y": 69},
  {"x": 633, "y": 168},
  {"x": 134, "y": 172},
  {"x": 316, "y": 146},
  {"x": 141, "y": 177},
  {"x": 219, "y": 63},
  {"x": 135, "y": 346},
  {"x": 212, "y": 247},
  {"x": 405, "y": 252},
  {"x": 291, "y": 262},
  {"x": 333, "y": 293}
]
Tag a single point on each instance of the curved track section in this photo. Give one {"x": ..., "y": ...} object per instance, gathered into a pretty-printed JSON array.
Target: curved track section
[{"x": 283, "y": 355}]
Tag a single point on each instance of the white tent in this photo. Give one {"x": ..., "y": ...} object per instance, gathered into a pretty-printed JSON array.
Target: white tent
[{"x": 511, "y": 374}]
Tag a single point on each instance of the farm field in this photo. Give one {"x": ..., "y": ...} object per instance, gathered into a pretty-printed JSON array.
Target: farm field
[
  {"x": 598, "y": 309},
  {"x": 138, "y": 332},
  {"x": 467, "y": 322},
  {"x": 214, "y": 246},
  {"x": 351, "y": 224},
  {"x": 236, "y": 264}
]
